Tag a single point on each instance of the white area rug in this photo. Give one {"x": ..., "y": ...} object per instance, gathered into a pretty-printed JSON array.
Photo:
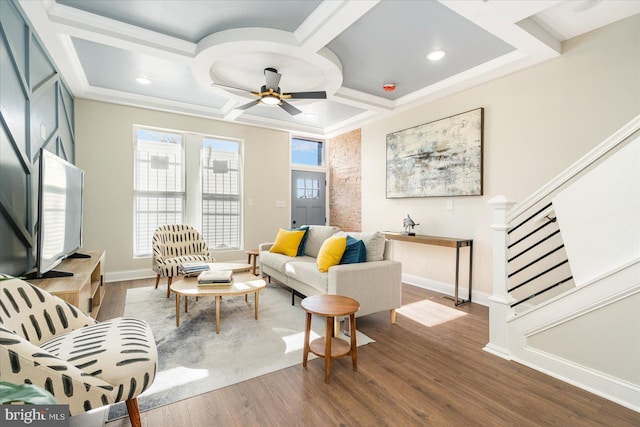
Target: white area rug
[{"x": 193, "y": 359}]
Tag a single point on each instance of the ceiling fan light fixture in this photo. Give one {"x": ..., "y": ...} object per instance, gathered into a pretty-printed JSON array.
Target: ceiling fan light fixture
[
  {"x": 270, "y": 100},
  {"x": 436, "y": 55}
]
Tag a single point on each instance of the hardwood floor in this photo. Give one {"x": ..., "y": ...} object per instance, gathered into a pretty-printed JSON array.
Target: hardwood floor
[{"x": 428, "y": 369}]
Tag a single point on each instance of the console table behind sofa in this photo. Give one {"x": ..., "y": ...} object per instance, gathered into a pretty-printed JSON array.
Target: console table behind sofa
[{"x": 448, "y": 242}]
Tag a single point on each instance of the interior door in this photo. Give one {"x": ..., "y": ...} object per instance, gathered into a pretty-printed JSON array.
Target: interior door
[{"x": 308, "y": 198}]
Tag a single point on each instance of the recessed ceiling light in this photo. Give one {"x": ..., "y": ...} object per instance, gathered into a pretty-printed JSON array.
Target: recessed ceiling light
[
  {"x": 586, "y": 5},
  {"x": 436, "y": 55},
  {"x": 143, "y": 80}
]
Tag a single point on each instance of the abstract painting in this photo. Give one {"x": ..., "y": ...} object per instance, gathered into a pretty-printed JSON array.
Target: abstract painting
[{"x": 436, "y": 159}]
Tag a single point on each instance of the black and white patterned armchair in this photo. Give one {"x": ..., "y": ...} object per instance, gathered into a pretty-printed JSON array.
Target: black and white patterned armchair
[
  {"x": 174, "y": 244},
  {"x": 47, "y": 342}
]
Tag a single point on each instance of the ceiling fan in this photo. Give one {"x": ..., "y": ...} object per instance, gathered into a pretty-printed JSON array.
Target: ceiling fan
[{"x": 270, "y": 93}]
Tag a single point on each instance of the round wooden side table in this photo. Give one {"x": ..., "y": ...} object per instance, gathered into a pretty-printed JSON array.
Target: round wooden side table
[
  {"x": 330, "y": 347},
  {"x": 252, "y": 255}
]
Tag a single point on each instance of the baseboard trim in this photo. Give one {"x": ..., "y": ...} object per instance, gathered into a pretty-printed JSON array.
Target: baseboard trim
[
  {"x": 501, "y": 352},
  {"x": 444, "y": 288},
  {"x": 119, "y": 276},
  {"x": 605, "y": 386}
]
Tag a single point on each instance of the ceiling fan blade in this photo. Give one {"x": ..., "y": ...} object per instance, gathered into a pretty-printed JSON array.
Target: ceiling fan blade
[
  {"x": 272, "y": 77},
  {"x": 306, "y": 95},
  {"x": 247, "y": 106},
  {"x": 289, "y": 108},
  {"x": 230, "y": 87}
]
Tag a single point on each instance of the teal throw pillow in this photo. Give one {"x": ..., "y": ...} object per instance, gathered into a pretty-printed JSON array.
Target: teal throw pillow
[
  {"x": 355, "y": 252},
  {"x": 304, "y": 238}
]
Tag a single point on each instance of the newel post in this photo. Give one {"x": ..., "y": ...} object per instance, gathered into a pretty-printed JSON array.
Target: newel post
[{"x": 500, "y": 301}]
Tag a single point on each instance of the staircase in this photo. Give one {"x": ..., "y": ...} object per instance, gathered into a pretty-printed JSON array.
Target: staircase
[{"x": 566, "y": 273}]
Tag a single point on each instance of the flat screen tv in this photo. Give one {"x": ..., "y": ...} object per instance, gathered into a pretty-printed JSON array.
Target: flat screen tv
[{"x": 59, "y": 226}]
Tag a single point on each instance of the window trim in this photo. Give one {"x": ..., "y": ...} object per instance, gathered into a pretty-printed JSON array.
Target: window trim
[{"x": 150, "y": 193}]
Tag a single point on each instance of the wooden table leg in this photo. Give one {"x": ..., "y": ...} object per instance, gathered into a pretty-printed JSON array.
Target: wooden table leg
[
  {"x": 177, "y": 310},
  {"x": 307, "y": 331},
  {"x": 186, "y": 308},
  {"x": 256, "y": 303},
  {"x": 354, "y": 347},
  {"x": 327, "y": 350},
  {"x": 218, "y": 298}
]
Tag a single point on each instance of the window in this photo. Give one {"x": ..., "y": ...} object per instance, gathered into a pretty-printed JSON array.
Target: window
[
  {"x": 159, "y": 190},
  {"x": 186, "y": 178},
  {"x": 306, "y": 152},
  {"x": 221, "y": 207}
]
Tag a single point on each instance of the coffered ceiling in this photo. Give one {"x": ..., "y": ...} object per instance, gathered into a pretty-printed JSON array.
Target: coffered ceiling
[{"x": 349, "y": 49}]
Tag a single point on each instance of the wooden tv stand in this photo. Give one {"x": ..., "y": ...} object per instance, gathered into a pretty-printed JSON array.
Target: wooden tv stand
[{"x": 85, "y": 289}]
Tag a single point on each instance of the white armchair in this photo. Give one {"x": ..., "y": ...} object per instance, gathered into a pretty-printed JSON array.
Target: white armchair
[
  {"x": 47, "y": 342},
  {"x": 174, "y": 244}
]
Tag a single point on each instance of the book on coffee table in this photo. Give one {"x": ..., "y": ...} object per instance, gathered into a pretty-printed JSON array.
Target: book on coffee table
[
  {"x": 213, "y": 278},
  {"x": 193, "y": 267}
]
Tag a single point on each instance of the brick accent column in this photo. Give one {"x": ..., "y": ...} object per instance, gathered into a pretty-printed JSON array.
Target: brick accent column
[{"x": 345, "y": 166}]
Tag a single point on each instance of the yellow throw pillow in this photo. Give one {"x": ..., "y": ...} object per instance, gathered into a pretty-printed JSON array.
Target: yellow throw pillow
[
  {"x": 287, "y": 242},
  {"x": 331, "y": 252}
]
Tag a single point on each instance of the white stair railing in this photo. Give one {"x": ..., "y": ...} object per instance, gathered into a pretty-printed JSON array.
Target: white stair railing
[{"x": 537, "y": 210}]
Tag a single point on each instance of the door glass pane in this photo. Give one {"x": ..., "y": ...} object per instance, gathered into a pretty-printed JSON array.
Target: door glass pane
[{"x": 308, "y": 188}]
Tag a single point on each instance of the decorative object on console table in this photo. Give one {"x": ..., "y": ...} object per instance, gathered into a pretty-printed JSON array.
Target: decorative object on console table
[
  {"x": 448, "y": 242},
  {"x": 409, "y": 224},
  {"x": 440, "y": 158}
]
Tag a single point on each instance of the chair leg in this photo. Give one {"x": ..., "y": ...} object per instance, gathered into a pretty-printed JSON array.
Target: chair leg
[
  {"x": 169, "y": 286},
  {"x": 134, "y": 412},
  {"x": 157, "y": 280}
]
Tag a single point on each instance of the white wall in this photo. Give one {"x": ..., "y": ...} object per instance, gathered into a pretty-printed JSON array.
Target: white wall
[
  {"x": 604, "y": 340},
  {"x": 599, "y": 216},
  {"x": 104, "y": 140},
  {"x": 537, "y": 122}
]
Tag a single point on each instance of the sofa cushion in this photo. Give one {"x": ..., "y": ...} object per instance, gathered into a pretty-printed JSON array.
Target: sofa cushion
[
  {"x": 331, "y": 252},
  {"x": 373, "y": 242},
  {"x": 306, "y": 271},
  {"x": 317, "y": 234},
  {"x": 355, "y": 251},
  {"x": 275, "y": 261},
  {"x": 287, "y": 242}
]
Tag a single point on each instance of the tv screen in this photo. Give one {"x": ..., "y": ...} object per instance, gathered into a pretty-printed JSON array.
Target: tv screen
[{"x": 60, "y": 195}]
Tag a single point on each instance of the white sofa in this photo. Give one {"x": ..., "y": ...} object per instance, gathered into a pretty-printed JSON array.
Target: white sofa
[{"x": 376, "y": 284}]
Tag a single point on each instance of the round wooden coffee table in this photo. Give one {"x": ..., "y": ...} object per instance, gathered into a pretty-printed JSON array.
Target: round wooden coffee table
[
  {"x": 330, "y": 347},
  {"x": 243, "y": 284}
]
